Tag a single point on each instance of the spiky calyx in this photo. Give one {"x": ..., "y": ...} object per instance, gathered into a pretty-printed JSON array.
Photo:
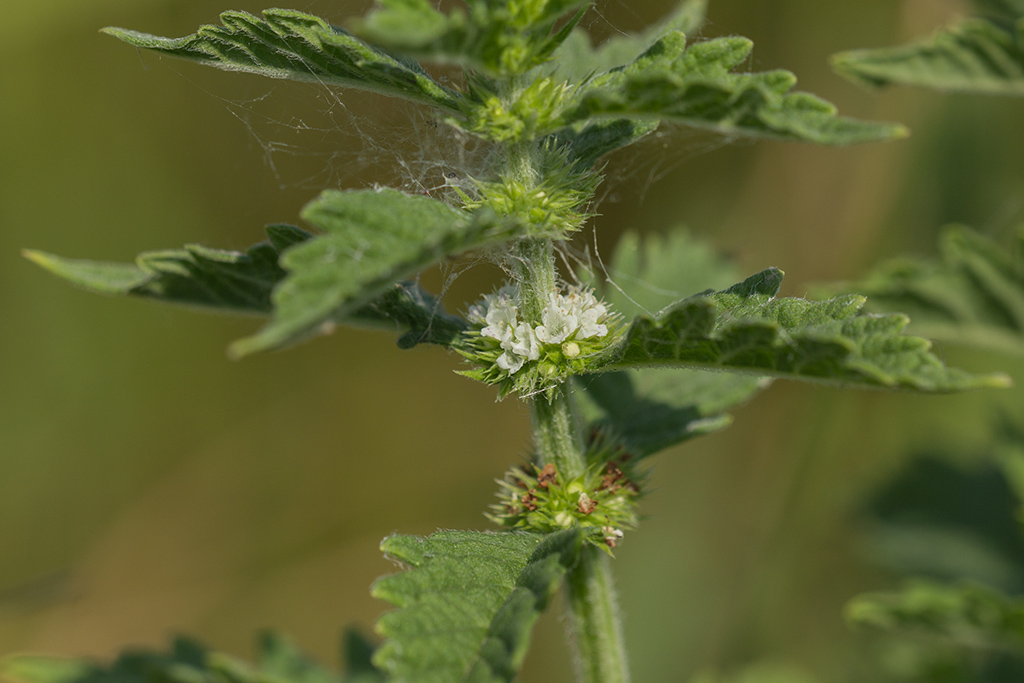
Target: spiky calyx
[{"x": 603, "y": 498}]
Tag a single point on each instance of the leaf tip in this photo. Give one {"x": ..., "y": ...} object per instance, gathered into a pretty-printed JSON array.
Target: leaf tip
[{"x": 40, "y": 258}]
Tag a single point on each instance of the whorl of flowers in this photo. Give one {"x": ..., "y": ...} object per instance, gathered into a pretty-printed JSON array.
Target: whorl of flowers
[
  {"x": 527, "y": 354},
  {"x": 603, "y": 498}
]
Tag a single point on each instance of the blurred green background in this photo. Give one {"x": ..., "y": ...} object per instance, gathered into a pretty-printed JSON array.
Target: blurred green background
[{"x": 148, "y": 486}]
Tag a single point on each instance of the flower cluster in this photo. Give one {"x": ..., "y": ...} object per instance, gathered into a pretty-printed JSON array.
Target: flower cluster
[
  {"x": 603, "y": 498},
  {"x": 572, "y": 326}
]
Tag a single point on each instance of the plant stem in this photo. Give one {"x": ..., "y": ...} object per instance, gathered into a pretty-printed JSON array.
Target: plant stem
[
  {"x": 594, "y": 620},
  {"x": 559, "y": 438}
]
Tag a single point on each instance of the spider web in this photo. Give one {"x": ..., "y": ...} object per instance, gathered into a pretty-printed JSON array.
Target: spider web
[{"x": 314, "y": 137}]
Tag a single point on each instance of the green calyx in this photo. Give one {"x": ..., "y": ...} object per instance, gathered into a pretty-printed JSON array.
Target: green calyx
[
  {"x": 529, "y": 113},
  {"x": 553, "y": 202},
  {"x": 603, "y": 499}
]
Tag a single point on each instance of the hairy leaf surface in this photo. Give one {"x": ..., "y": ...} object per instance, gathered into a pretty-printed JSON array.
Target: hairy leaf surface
[
  {"x": 371, "y": 240},
  {"x": 746, "y": 329},
  {"x": 242, "y": 282},
  {"x": 653, "y": 409},
  {"x": 468, "y": 602},
  {"x": 232, "y": 281},
  {"x": 969, "y": 614},
  {"x": 297, "y": 46},
  {"x": 976, "y": 55},
  {"x": 695, "y": 86},
  {"x": 974, "y": 294},
  {"x": 496, "y": 37}
]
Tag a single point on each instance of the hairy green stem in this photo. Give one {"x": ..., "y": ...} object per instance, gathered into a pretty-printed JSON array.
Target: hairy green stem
[
  {"x": 595, "y": 623},
  {"x": 560, "y": 440},
  {"x": 557, "y": 432}
]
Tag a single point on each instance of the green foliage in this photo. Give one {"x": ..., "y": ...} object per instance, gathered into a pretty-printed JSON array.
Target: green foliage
[
  {"x": 652, "y": 409},
  {"x": 694, "y": 86},
  {"x": 231, "y": 281},
  {"x": 976, "y": 56},
  {"x": 974, "y": 294},
  {"x": 371, "y": 239},
  {"x": 496, "y": 37},
  {"x": 746, "y": 329},
  {"x": 298, "y": 46},
  {"x": 468, "y": 603},
  {"x": 761, "y": 672},
  {"x": 189, "y": 662},
  {"x": 948, "y": 522},
  {"x": 968, "y": 614},
  {"x": 578, "y": 58},
  {"x": 237, "y": 282}
]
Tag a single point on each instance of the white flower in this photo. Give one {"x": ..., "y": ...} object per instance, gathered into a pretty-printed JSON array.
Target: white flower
[
  {"x": 575, "y": 315},
  {"x": 510, "y": 362},
  {"x": 557, "y": 320},
  {"x": 501, "y": 318},
  {"x": 524, "y": 343}
]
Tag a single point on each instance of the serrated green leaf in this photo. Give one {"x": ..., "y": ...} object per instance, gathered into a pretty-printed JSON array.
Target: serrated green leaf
[
  {"x": 242, "y": 282},
  {"x": 577, "y": 58},
  {"x": 746, "y": 329},
  {"x": 297, "y": 46},
  {"x": 653, "y": 409},
  {"x": 231, "y": 281},
  {"x": 496, "y": 37},
  {"x": 976, "y": 56},
  {"x": 968, "y": 614},
  {"x": 371, "y": 240},
  {"x": 468, "y": 603},
  {"x": 694, "y": 86},
  {"x": 974, "y": 294}
]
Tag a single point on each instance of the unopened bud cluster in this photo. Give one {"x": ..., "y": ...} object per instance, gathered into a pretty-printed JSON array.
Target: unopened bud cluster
[
  {"x": 540, "y": 499},
  {"x": 526, "y": 355}
]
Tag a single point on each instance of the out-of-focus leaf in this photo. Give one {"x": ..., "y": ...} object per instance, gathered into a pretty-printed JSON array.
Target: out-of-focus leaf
[
  {"x": 1009, "y": 9},
  {"x": 359, "y": 667},
  {"x": 297, "y": 46},
  {"x": 761, "y": 672},
  {"x": 497, "y": 37},
  {"x": 968, "y": 614},
  {"x": 694, "y": 86},
  {"x": 468, "y": 603},
  {"x": 371, "y": 240},
  {"x": 746, "y": 329},
  {"x": 947, "y": 522},
  {"x": 974, "y": 294},
  {"x": 187, "y": 662},
  {"x": 976, "y": 55}
]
